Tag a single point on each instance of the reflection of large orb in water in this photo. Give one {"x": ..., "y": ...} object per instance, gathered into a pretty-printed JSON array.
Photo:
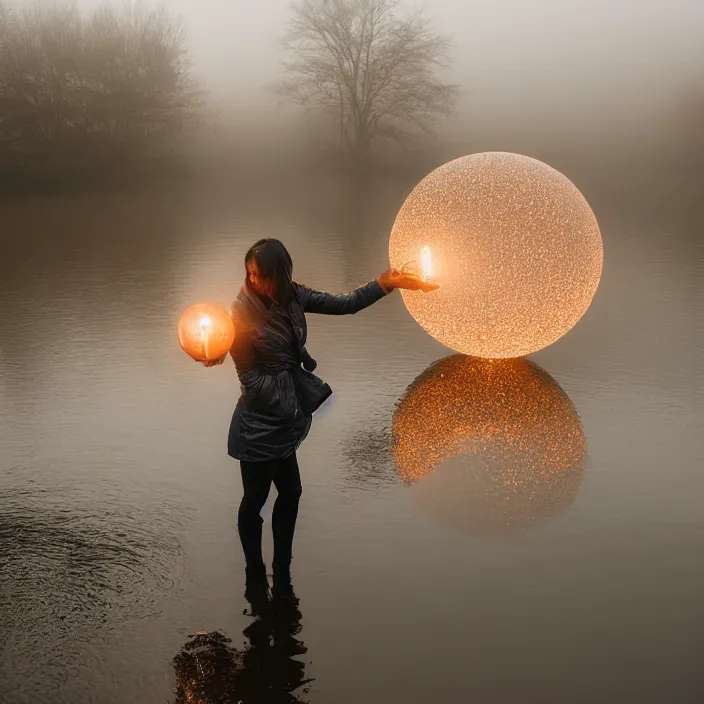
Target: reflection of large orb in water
[
  {"x": 489, "y": 446},
  {"x": 515, "y": 248}
]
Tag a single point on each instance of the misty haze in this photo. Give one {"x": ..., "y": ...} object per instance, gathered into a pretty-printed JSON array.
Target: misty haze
[{"x": 551, "y": 554}]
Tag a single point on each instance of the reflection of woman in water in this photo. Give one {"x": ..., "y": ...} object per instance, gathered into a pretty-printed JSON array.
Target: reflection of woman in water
[
  {"x": 210, "y": 670},
  {"x": 279, "y": 395}
]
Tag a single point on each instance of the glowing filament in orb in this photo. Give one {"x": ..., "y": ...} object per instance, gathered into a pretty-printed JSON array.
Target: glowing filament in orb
[
  {"x": 426, "y": 264},
  {"x": 205, "y": 331}
]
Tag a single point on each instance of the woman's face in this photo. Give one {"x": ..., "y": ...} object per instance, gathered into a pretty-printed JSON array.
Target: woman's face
[{"x": 264, "y": 287}]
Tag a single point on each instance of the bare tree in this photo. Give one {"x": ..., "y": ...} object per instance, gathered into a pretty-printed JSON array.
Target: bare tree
[{"x": 375, "y": 71}]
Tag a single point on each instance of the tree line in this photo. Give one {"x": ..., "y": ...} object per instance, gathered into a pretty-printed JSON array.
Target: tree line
[
  {"x": 114, "y": 87},
  {"x": 77, "y": 90}
]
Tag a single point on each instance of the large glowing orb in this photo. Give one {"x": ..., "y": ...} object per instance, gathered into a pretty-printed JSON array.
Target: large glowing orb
[
  {"x": 489, "y": 447},
  {"x": 515, "y": 248}
]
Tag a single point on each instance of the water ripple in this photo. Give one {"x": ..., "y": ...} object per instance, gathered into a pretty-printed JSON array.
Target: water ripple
[{"x": 67, "y": 579}]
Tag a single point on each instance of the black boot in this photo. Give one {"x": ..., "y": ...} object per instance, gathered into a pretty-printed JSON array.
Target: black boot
[
  {"x": 282, "y": 592},
  {"x": 256, "y": 590}
]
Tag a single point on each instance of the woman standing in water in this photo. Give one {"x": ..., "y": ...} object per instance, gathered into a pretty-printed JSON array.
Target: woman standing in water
[{"x": 279, "y": 395}]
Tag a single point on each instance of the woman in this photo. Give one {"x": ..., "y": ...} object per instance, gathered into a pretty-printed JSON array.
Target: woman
[{"x": 279, "y": 395}]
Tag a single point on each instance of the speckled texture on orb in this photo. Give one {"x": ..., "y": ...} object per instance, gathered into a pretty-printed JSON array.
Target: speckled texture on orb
[{"x": 516, "y": 250}]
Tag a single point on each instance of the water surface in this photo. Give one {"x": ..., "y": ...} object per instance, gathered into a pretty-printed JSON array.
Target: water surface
[{"x": 118, "y": 509}]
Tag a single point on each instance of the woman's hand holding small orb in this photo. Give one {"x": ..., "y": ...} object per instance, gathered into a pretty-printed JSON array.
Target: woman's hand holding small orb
[{"x": 213, "y": 362}]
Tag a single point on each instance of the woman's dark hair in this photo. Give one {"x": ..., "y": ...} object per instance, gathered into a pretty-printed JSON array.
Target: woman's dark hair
[{"x": 274, "y": 264}]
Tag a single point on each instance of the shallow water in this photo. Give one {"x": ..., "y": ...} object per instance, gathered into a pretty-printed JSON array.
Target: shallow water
[{"x": 574, "y": 577}]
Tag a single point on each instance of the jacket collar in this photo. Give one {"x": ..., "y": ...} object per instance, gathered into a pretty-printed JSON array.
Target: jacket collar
[
  {"x": 247, "y": 293},
  {"x": 267, "y": 315}
]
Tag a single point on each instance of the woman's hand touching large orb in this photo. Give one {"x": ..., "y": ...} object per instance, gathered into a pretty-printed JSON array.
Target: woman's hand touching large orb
[
  {"x": 406, "y": 278},
  {"x": 512, "y": 243}
]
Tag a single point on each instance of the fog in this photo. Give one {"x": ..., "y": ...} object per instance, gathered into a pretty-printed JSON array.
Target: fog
[
  {"x": 615, "y": 63},
  {"x": 549, "y": 78}
]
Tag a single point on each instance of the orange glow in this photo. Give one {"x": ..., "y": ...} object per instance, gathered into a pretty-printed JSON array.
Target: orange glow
[
  {"x": 519, "y": 248},
  {"x": 205, "y": 331},
  {"x": 426, "y": 264},
  {"x": 489, "y": 446}
]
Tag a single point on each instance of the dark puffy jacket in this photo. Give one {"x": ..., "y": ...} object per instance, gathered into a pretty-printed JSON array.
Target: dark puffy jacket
[{"x": 279, "y": 390}]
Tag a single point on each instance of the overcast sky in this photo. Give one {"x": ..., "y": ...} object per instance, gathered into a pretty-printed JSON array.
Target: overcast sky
[{"x": 589, "y": 57}]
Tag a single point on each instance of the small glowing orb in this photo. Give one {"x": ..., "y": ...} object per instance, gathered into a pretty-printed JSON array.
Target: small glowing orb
[
  {"x": 489, "y": 447},
  {"x": 205, "y": 331},
  {"x": 512, "y": 243}
]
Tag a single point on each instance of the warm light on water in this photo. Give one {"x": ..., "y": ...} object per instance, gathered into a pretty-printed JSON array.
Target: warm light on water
[
  {"x": 489, "y": 446},
  {"x": 119, "y": 510}
]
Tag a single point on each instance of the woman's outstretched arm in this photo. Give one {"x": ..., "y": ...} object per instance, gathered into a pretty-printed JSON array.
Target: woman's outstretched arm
[
  {"x": 362, "y": 297},
  {"x": 343, "y": 303}
]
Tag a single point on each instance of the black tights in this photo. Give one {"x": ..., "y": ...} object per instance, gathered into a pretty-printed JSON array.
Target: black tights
[{"x": 256, "y": 482}]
